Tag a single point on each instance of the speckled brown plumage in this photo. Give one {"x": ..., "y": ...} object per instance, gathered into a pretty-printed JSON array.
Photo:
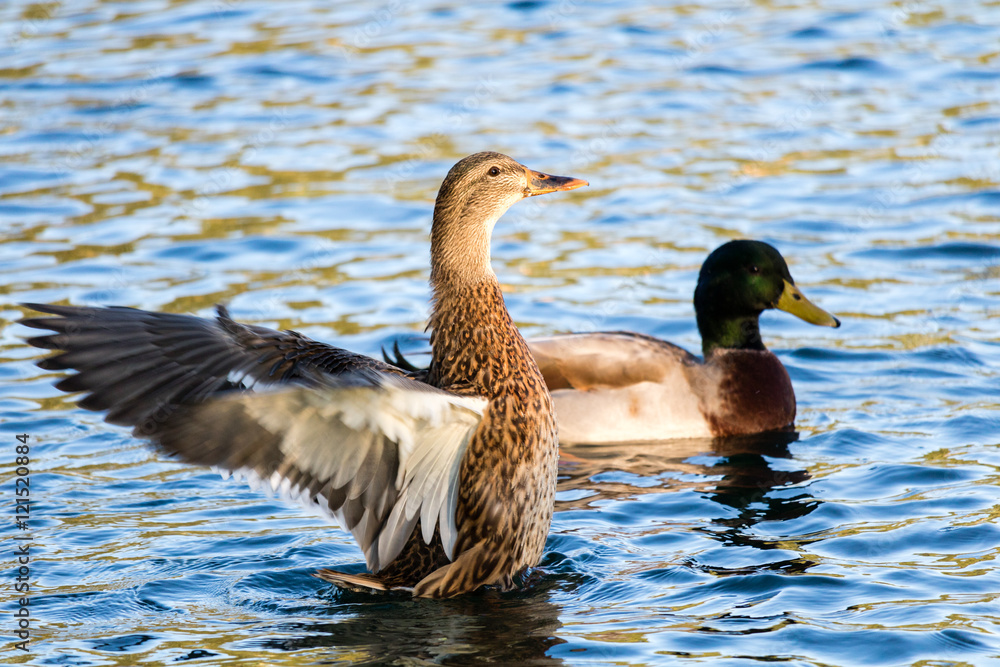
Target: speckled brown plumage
[
  {"x": 184, "y": 382},
  {"x": 508, "y": 476}
]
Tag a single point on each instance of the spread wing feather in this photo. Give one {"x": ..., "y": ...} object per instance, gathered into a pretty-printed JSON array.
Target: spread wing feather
[
  {"x": 375, "y": 450},
  {"x": 138, "y": 365},
  {"x": 379, "y": 456}
]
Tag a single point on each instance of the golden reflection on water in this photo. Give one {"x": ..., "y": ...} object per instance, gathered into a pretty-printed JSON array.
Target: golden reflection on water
[{"x": 293, "y": 155}]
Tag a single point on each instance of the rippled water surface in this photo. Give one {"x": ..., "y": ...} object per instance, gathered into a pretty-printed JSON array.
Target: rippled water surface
[{"x": 283, "y": 158}]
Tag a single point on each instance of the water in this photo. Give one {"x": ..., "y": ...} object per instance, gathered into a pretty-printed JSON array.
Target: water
[{"x": 283, "y": 157}]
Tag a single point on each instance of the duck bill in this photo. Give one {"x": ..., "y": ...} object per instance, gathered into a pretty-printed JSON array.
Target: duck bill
[
  {"x": 794, "y": 301},
  {"x": 540, "y": 183}
]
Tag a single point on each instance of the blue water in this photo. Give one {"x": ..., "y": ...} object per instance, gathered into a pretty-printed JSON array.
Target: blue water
[{"x": 283, "y": 158}]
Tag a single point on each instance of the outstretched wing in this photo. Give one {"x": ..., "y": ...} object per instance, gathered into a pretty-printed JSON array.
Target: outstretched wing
[
  {"x": 375, "y": 455},
  {"x": 374, "y": 449},
  {"x": 138, "y": 364}
]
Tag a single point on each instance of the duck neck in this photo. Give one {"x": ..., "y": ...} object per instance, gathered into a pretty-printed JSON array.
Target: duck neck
[
  {"x": 475, "y": 345},
  {"x": 729, "y": 333},
  {"x": 460, "y": 244}
]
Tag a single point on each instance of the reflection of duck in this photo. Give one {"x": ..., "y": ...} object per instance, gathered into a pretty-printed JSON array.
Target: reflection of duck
[
  {"x": 627, "y": 387},
  {"x": 446, "y": 487},
  {"x": 741, "y": 468},
  {"x": 740, "y": 473},
  {"x": 511, "y": 629}
]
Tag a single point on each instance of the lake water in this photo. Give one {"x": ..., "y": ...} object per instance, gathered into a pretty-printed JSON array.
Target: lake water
[{"x": 283, "y": 158}]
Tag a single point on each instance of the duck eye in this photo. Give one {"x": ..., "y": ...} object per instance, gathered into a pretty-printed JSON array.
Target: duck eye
[
  {"x": 494, "y": 171},
  {"x": 754, "y": 269}
]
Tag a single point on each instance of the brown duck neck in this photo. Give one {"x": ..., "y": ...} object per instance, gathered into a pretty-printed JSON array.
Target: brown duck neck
[{"x": 475, "y": 346}]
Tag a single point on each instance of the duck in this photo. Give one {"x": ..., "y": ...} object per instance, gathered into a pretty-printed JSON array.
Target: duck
[
  {"x": 620, "y": 386},
  {"x": 446, "y": 482},
  {"x": 627, "y": 387}
]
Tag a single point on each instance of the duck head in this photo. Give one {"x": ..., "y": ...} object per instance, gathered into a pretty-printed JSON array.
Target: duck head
[
  {"x": 475, "y": 193},
  {"x": 738, "y": 281}
]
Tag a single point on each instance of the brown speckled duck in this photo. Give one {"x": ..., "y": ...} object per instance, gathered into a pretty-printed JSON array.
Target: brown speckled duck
[
  {"x": 447, "y": 485},
  {"x": 627, "y": 387}
]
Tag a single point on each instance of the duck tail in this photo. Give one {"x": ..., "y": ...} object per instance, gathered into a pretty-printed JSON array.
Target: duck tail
[
  {"x": 399, "y": 360},
  {"x": 359, "y": 583}
]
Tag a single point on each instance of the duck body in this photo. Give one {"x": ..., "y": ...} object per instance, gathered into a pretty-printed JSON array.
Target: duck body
[
  {"x": 627, "y": 387},
  {"x": 447, "y": 483},
  {"x": 508, "y": 475}
]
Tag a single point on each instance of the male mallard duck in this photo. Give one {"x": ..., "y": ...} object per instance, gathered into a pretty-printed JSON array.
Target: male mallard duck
[
  {"x": 447, "y": 485},
  {"x": 627, "y": 387}
]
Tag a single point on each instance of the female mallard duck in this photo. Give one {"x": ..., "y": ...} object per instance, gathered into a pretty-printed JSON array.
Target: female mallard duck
[
  {"x": 627, "y": 387},
  {"x": 447, "y": 485}
]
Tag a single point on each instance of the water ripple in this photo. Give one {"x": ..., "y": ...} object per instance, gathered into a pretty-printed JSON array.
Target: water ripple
[{"x": 282, "y": 158}]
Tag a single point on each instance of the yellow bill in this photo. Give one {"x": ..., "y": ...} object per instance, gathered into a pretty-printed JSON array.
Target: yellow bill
[{"x": 794, "y": 301}]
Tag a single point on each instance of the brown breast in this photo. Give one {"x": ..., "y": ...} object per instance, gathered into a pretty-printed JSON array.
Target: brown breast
[
  {"x": 746, "y": 391},
  {"x": 508, "y": 475}
]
